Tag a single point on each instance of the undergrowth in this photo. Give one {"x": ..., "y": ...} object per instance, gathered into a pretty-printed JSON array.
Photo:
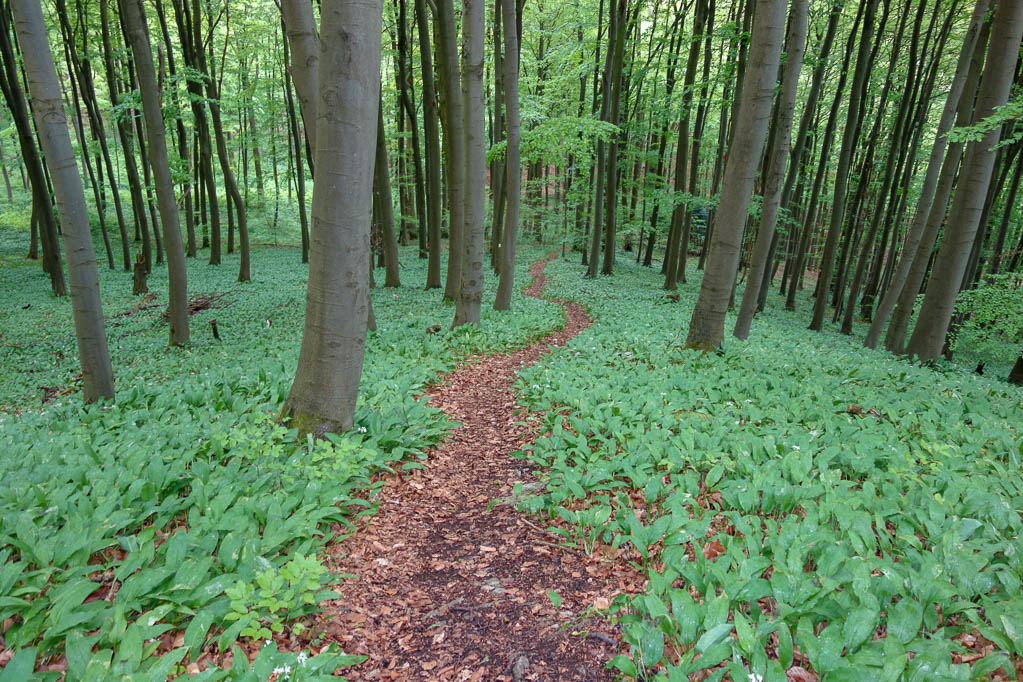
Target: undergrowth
[
  {"x": 139, "y": 537},
  {"x": 794, "y": 499}
]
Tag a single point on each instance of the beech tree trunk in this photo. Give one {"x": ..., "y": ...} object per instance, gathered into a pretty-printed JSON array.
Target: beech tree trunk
[
  {"x": 920, "y": 259},
  {"x": 707, "y": 325},
  {"x": 296, "y": 137},
  {"x": 849, "y": 136},
  {"x": 138, "y": 35},
  {"x": 326, "y": 387},
  {"x": 305, "y": 50},
  {"x": 382, "y": 189},
  {"x": 950, "y": 265},
  {"x": 44, "y": 223},
  {"x": 512, "y": 165},
  {"x": 48, "y": 109},
  {"x": 431, "y": 130},
  {"x": 611, "y": 175},
  {"x": 778, "y": 154},
  {"x": 470, "y": 289},
  {"x": 454, "y": 142}
]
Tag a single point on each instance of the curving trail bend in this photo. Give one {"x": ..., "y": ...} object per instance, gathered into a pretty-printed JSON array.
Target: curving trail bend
[{"x": 449, "y": 589}]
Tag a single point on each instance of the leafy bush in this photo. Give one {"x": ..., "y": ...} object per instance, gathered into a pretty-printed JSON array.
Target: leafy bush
[{"x": 993, "y": 324}]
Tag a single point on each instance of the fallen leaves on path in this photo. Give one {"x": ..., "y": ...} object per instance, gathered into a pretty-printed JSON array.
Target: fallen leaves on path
[{"x": 447, "y": 585}]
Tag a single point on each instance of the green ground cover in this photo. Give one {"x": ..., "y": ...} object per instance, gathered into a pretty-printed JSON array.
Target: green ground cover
[
  {"x": 794, "y": 499},
  {"x": 185, "y": 506}
]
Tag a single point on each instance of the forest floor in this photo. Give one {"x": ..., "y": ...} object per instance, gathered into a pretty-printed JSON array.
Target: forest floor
[
  {"x": 791, "y": 508},
  {"x": 451, "y": 586}
]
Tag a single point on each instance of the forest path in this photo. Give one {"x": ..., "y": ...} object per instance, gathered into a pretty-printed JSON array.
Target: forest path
[{"x": 447, "y": 586}]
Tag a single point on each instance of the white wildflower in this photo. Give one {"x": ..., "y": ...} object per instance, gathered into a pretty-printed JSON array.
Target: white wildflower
[
  {"x": 796, "y": 448},
  {"x": 284, "y": 671},
  {"x": 753, "y": 677},
  {"x": 302, "y": 658}
]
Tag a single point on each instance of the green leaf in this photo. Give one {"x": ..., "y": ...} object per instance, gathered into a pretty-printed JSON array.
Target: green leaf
[
  {"x": 655, "y": 608},
  {"x": 624, "y": 665},
  {"x": 20, "y": 667},
  {"x": 230, "y": 635},
  {"x": 555, "y": 598},
  {"x": 713, "y": 637},
  {"x": 651, "y": 644},
  {"x": 195, "y": 633},
  {"x": 858, "y": 627},
  {"x": 785, "y": 648},
  {"x": 747, "y": 642},
  {"x": 904, "y": 620}
]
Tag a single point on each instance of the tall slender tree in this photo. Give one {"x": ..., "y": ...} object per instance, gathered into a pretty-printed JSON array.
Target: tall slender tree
[
  {"x": 326, "y": 386},
  {"x": 849, "y": 135},
  {"x": 707, "y": 325},
  {"x": 43, "y": 219},
  {"x": 134, "y": 19},
  {"x": 512, "y": 167},
  {"x": 51, "y": 122},
  {"x": 778, "y": 154},
  {"x": 964, "y": 219},
  {"x": 470, "y": 289}
]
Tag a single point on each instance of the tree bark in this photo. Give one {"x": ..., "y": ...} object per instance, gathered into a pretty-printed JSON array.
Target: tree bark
[
  {"x": 919, "y": 260},
  {"x": 611, "y": 174},
  {"x": 177, "y": 306},
  {"x": 385, "y": 200},
  {"x": 795, "y": 41},
  {"x": 43, "y": 219},
  {"x": 706, "y": 327},
  {"x": 454, "y": 142},
  {"x": 950, "y": 264},
  {"x": 431, "y": 130},
  {"x": 305, "y": 48},
  {"x": 513, "y": 170},
  {"x": 326, "y": 387},
  {"x": 860, "y": 79},
  {"x": 48, "y": 109},
  {"x": 470, "y": 289},
  {"x": 678, "y": 239},
  {"x": 296, "y": 137}
]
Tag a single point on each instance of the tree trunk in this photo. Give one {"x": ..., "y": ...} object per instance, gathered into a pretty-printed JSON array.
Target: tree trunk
[
  {"x": 777, "y": 155},
  {"x": 454, "y": 142},
  {"x": 177, "y": 306},
  {"x": 1010, "y": 204},
  {"x": 950, "y": 264},
  {"x": 48, "y": 109},
  {"x": 84, "y": 75},
  {"x": 326, "y": 387},
  {"x": 611, "y": 175},
  {"x": 513, "y": 170},
  {"x": 798, "y": 150},
  {"x": 297, "y": 139},
  {"x": 305, "y": 48},
  {"x": 678, "y": 237},
  {"x": 42, "y": 209},
  {"x": 431, "y": 130},
  {"x": 470, "y": 290},
  {"x": 385, "y": 200},
  {"x": 1016, "y": 374},
  {"x": 860, "y": 79},
  {"x": 706, "y": 328},
  {"x": 919, "y": 259}
]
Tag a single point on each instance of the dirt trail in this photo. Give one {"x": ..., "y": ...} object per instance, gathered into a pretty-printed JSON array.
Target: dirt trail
[{"x": 449, "y": 589}]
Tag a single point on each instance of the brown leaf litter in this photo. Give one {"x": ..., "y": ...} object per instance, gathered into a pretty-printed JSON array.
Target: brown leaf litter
[{"x": 449, "y": 586}]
